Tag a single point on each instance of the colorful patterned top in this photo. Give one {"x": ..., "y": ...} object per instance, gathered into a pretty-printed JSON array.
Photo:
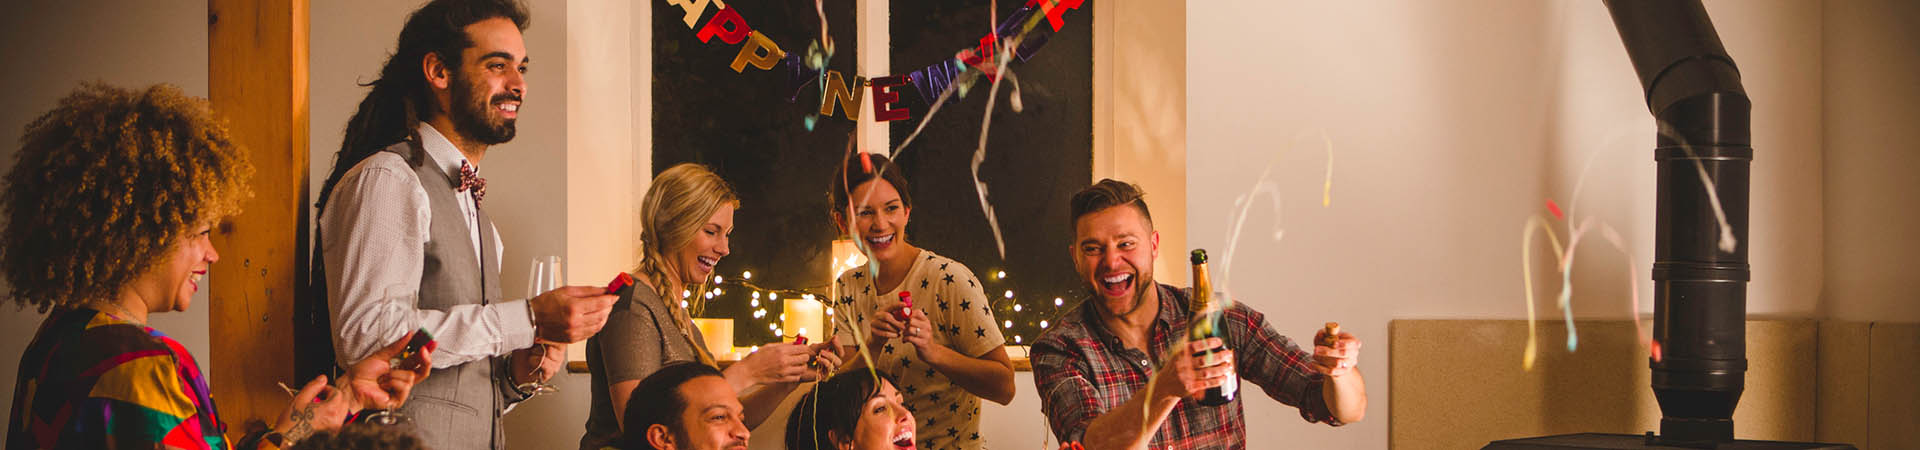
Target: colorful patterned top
[{"x": 90, "y": 379}]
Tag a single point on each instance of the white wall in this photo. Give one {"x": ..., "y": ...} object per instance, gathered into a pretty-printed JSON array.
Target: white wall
[
  {"x": 56, "y": 45},
  {"x": 1451, "y": 122},
  {"x": 1871, "y": 54}
]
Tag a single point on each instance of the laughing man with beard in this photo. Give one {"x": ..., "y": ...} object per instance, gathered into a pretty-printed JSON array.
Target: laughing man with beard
[
  {"x": 405, "y": 242},
  {"x": 1094, "y": 366}
]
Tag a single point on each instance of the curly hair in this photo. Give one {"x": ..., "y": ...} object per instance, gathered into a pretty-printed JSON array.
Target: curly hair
[
  {"x": 106, "y": 184},
  {"x": 363, "y": 436}
]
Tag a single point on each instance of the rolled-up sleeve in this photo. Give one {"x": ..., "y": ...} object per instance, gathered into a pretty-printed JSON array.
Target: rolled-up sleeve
[
  {"x": 373, "y": 243},
  {"x": 1273, "y": 362},
  {"x": 1067, "y": 396}
]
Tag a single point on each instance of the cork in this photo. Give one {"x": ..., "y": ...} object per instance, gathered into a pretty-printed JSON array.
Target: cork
[{"x": 1332, "y": 335}]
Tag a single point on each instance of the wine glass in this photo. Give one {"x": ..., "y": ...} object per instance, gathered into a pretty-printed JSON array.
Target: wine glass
[
  {"x": 386, "y": 415},
  {"x": 542, "y": 277}
]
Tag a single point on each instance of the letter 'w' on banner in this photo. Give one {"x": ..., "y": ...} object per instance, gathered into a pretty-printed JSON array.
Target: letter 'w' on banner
[{"x": 837, "y": 91}]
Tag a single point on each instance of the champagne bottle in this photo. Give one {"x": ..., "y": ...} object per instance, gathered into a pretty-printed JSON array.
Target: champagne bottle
[{"x": 1206, "y": 324}]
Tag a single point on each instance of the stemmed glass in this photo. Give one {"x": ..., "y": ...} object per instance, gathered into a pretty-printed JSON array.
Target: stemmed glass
[
  {"x": 543, "y": 277},
  {"x": 386, "y": 415}
]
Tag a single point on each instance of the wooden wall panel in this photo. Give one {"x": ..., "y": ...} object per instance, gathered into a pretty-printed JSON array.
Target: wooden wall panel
[
  {"x": 1459, "y": 384},
  {"x": 1841, "y": 411},
  {"x": 257, "y": 72},
  {"x": 1894, "y": 395}
]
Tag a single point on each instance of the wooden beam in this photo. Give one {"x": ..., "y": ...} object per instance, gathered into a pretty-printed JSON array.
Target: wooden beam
[{"x": 257, "y": 79}]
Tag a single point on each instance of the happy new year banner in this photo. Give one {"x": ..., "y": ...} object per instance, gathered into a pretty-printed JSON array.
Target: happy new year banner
[{"x": 1031, "y": 26}]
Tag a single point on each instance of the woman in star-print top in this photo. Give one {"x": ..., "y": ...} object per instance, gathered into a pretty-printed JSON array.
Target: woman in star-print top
[{"x": 949, "y": 353}]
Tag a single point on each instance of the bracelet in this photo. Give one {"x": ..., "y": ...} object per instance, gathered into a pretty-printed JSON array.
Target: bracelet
[{"x": 532, "y": 322}]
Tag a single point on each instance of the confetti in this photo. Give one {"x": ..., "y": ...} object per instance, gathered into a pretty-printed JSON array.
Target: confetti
[
  {"x": 1526, "y": 275},
  {"x": 1728, "y": 243}
]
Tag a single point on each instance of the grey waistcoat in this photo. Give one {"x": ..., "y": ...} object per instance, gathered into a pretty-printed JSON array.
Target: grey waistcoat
[{"x": 457, "y": 407}]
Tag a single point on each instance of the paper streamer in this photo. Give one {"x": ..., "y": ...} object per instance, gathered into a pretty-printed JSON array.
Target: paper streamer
[
  {"x": 1056, "y": 9},
  {"x": 982, "y": 57},
  {"x": 1565, "y": 264},
  {"x": 1526, "y": 276},
  {"x": 1728, "y": 243},
  {"x": 799, "y": 76},
  {"x": 826, "y": 39},
  {"x": 1633, "y": 287},
  {"x": 1021, "y": 24},
  {"x": 759, "y": 51},
  {"x": 1265, "y": 185}
]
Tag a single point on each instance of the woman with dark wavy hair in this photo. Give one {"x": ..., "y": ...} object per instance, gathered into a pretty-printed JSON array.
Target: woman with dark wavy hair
[
  {"x": 856, "y": 410},
  {"x": 109, "y": 219},
  {"x": 946, "y": 349}
]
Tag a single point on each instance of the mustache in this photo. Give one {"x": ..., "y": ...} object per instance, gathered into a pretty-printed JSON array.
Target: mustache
[{"x": 503, "y": 97}]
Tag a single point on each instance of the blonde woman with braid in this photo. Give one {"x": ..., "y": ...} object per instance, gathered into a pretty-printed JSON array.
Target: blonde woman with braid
[{"x": 685, "y": 221}]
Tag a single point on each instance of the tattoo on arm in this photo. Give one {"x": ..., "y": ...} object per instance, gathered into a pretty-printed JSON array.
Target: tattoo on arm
[{"x": 302, "y": 424}]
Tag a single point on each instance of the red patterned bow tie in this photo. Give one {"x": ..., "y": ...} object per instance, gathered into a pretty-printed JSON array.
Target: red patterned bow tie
[{"x": 470, "y": 180}]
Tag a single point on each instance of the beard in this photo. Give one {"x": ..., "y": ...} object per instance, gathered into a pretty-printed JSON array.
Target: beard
[
  {"x": 473, "y": 113},
  {"x": 1142, "y": 281}
]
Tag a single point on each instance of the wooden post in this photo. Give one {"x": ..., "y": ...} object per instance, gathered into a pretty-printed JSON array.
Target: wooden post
[{"x": 257, "y": 77}]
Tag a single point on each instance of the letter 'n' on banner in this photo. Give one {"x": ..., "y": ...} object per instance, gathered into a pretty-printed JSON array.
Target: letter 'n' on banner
[{"x": 837, "y": 92}]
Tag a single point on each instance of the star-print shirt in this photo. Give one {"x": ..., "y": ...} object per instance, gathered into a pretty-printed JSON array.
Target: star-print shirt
[
  {"x": 948, "y": 417},
  {"x": 91, "y": 378}
]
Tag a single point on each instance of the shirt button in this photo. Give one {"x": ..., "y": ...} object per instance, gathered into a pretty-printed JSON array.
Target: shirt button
[{"x": 1143, "y": 363}]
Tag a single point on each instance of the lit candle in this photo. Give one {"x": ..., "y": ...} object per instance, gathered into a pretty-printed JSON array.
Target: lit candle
[
  {"x": 844, "y": 255},
  {"x": 805, "y": 315},
  {"x": 718, "y": 334}
]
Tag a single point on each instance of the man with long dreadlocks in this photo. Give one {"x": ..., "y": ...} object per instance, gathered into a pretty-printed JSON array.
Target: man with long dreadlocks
[{"x": 405, "y": 243}]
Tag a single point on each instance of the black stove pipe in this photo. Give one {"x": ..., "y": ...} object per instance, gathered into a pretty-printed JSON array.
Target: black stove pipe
[{"x": 1693, "y": 90}]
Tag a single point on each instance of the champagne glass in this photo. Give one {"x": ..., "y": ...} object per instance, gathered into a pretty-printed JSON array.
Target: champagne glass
[
  {"x": 386, "y": 415},
  {"x": 542, "y": 277}
]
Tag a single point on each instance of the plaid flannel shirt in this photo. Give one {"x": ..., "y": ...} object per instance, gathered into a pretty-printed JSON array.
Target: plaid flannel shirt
[{"x": 1082, "y": 371}]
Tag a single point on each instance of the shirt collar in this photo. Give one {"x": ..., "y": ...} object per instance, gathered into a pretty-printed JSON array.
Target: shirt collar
[
  {"x": 442, "y": 150},
  {"x": 1173, "y": 309}
]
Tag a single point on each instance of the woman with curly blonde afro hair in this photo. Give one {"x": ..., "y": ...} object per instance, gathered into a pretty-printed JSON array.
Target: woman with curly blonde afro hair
[{"x": 109, "y": 216}]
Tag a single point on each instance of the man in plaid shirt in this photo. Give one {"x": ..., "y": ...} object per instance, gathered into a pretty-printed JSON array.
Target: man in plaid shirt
[{"x": 1093, "y": 368}]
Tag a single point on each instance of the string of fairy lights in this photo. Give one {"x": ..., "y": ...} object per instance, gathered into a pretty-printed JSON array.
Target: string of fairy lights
[{"x": 761, "y": 321}]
